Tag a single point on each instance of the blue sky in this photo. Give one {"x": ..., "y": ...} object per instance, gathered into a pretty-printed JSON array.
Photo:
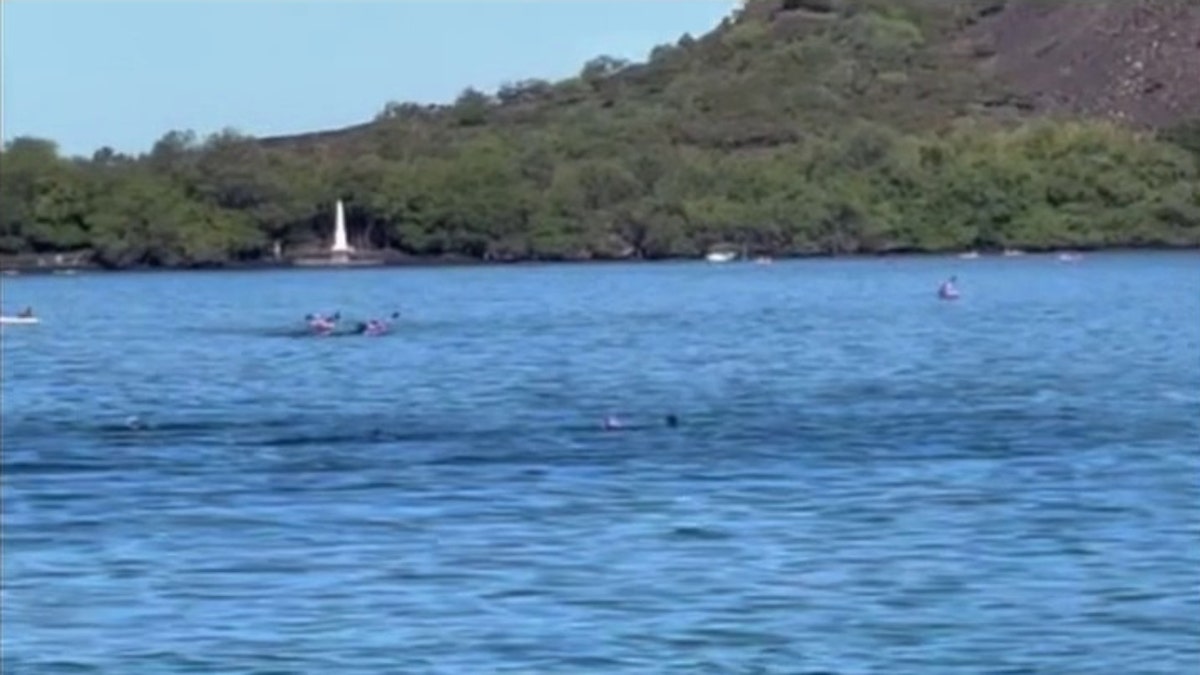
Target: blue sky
[{"x": 89, "y": 73}]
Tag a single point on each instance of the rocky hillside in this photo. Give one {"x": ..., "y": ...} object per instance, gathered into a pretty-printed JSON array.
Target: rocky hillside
[{"x": 1136, "y": 61}]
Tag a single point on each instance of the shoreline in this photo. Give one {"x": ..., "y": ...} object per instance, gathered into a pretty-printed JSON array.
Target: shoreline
[{"x": 10, "y": 268}]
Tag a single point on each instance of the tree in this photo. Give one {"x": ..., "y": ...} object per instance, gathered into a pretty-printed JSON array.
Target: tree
[{"x": 471, "y": 108}]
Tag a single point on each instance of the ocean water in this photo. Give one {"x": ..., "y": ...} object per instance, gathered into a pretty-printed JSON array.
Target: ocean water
[{"x": 863, "y": 479}]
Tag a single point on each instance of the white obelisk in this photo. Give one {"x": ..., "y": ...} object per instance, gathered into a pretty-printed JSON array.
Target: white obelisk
[{"x": 341, "y": 249}]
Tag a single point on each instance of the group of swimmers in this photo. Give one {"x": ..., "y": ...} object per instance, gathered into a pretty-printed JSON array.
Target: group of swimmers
[{"x": 320, "y": 324}]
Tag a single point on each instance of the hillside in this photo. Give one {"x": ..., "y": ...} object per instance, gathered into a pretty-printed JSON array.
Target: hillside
[
  {"x": 1131, "y": 60},
  {"x": 794, "y": 127},
  {"x": 773, "y": 71}
]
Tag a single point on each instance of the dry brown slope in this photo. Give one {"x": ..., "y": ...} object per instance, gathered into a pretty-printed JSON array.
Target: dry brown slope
[{"x": 1131, "y": 60}]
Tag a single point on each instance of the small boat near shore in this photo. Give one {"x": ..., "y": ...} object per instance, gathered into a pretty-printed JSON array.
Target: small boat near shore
[{"x": 341, "y": 253}]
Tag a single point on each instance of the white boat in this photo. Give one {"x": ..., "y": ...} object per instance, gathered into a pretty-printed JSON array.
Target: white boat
[
  {"x": 969, "y": 255},
  {"x": 341, "y": 253},
  {"x": 341, "y": 250},
  {"x": 720, "y": 256},
  {"x": 19, "y": 320}
]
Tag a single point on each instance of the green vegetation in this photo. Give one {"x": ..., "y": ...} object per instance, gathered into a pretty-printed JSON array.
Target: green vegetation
[{"x": 802, "y": 127}]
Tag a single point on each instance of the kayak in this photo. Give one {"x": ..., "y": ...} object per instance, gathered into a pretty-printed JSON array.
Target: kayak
[{"x": 19, "y": 320}]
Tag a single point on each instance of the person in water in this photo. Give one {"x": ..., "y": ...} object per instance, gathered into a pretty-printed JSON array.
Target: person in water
[
  {"x": 948, "y": 290},
  {"x": 322, "y": 324},
  {"x": 374, "y": 326}
]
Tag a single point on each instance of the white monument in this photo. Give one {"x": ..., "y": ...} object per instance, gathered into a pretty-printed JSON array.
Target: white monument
[{"x": 341, "y": 249}]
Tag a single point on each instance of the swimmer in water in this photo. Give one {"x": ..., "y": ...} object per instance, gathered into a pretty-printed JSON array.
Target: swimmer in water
[
  {"x": 948, "y": 290},
  {"x": 374, "y": 326},
  {"x": 322, "y": 325},
  {"x": 369, "y": 327},
  {"x": 672, "y": 420}
]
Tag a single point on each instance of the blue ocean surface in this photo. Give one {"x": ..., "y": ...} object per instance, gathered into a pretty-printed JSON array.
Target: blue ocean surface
[{"x": 863, "y": 479}]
